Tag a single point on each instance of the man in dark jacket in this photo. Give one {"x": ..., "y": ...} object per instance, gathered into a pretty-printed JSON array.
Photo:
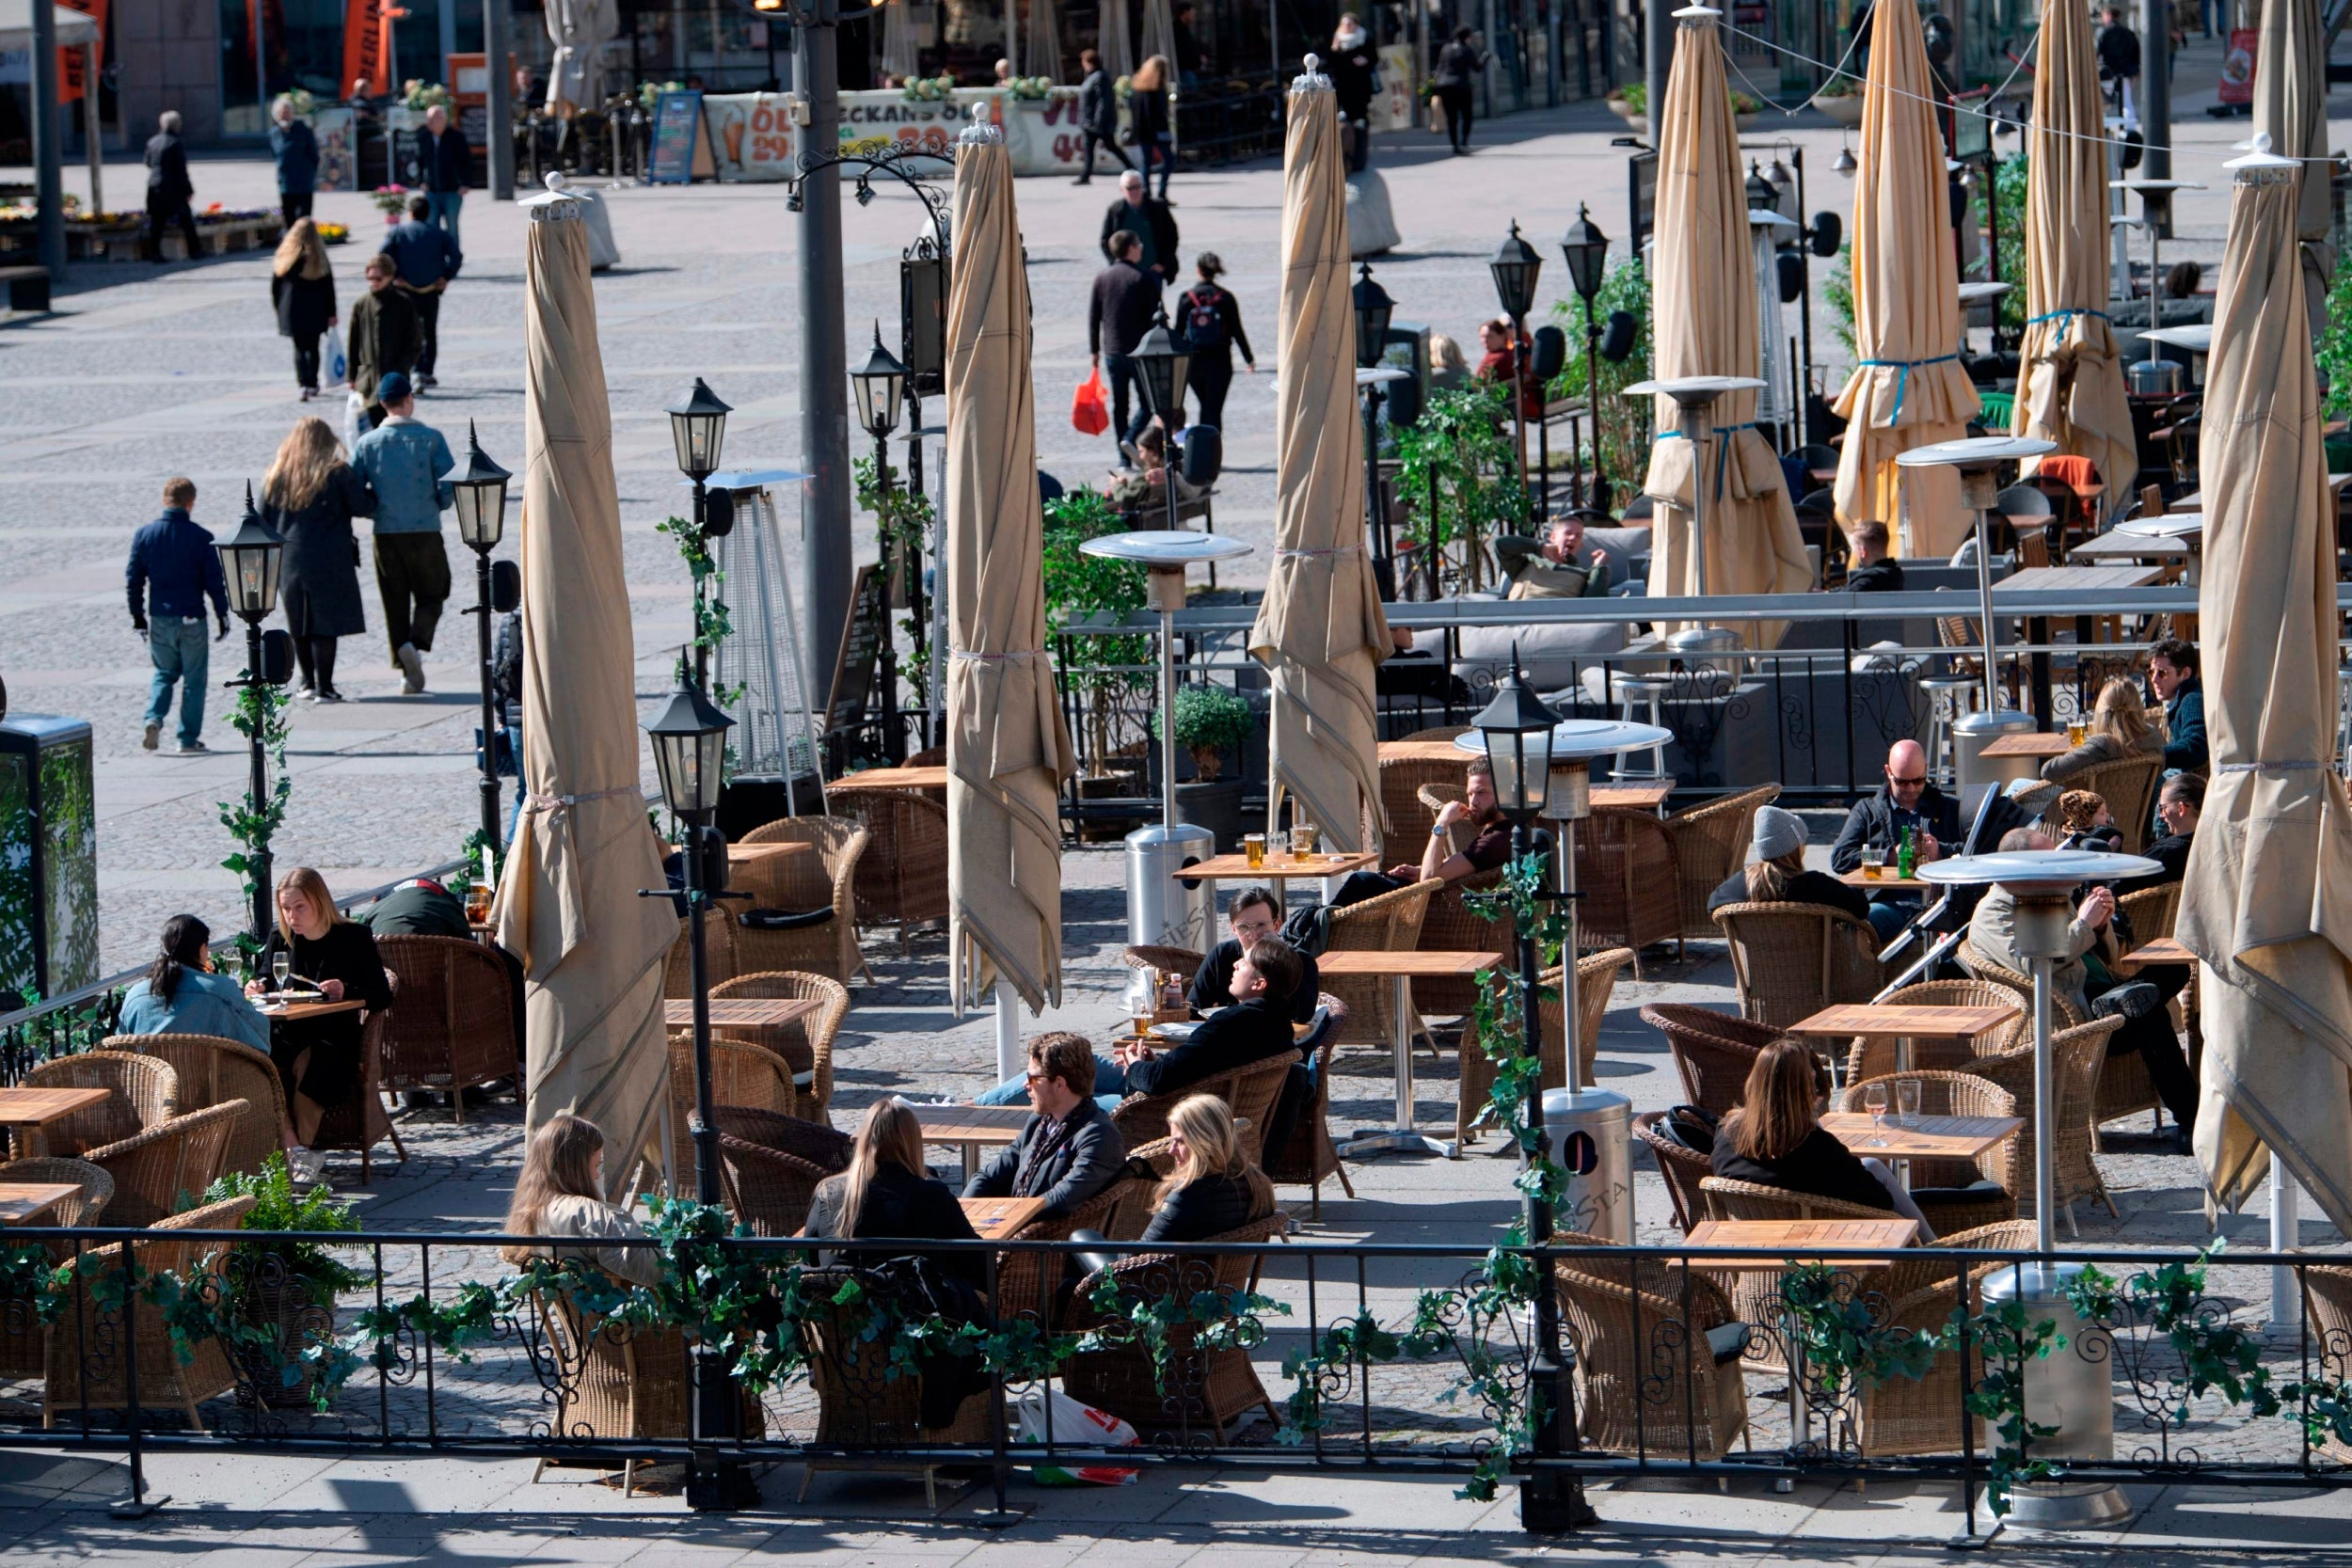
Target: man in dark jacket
[
  {"x": 385, "y": 335},
  {"x": 2179, "y": 804},
  {"x": 173, "y": 569},
  {"x": 2117, "y": 48},
  {"x": 169, "y": 188},
  {"x": 1068, "y": 1150},
  {"x": 2173, "y": 672},
  {"x": 296, "y": 151},
  {"x": 447, "y": 161},
  {"x": 1354, "y": 67},
  {"x": 1098, "y": 115},
  {"x": 420, "y": 907},
  {"x": 1148, "y": 220},
  {"x": 1870, "y": 571},
  {"x": 1254, "y": 915},
  {"x": 425, "y": 260},
  {"x": 1255, "y": 1028},
  {"x": 1119, "y": 313},
  {"x": 1906, "y": 799}
]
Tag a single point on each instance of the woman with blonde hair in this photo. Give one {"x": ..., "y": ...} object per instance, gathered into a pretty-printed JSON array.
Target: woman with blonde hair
[
  {"x": 2119, "y": 729},
  {"x": 560, "y": 1192},
  {"x": 1775, "y": 1138},
  {"x": 302, "y": 288},
  {"x": 1216, "y": 1186},
  {"x": 1147, "y": 118},
  {"x": 888, "y": 1194},
  {"x": 309, "y": 495},
  {"x": 328, "y": 956}
]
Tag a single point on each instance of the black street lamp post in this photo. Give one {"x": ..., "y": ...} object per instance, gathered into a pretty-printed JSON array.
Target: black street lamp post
[
  {"x": 479, "y": 485},
  {"x": 1161, "y": 364},
  {"x": 1373, "y": 311},
  {"x": 698, "y": 428},
  {"x": 879, "y": 383},
  {"x": 1516, "y": 266},
  {"x": 250, "y": 559},
  {"x": 1586, "y": 248}
]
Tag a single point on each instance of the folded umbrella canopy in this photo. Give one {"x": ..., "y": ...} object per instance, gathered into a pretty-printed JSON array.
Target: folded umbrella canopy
[
  {"x": 2267, "y": 905},
  {"x": 1908, "y": 390},
  {"x": 591, "y": 950},
  {"x": 1007, "y": 751},
  {"x": 1704, "y": 323},
  {"x": 2291, "y": 107},
  {"x": 1320, "y": 629},
  {"x": 2070, "y": 386}
]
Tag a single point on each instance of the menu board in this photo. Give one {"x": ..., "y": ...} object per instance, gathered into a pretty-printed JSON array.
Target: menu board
[
  {"x": 677, "y": 120},
  {"x": 861, "y": 647}
]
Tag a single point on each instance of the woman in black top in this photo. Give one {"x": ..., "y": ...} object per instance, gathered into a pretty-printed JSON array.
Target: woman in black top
[
  {"x": 887, "y": 1193},
  {"x": 302, "y": 290},
  {"x": 1778, "y": 874},
  {"x": 318, "y": 1058},
  {"x": 1210, "y": 319},
  {"x": 308, "y": 498},
  {"x": 1459, "y": 66},
  {"x": 1775, "y": 1138},
  {"x": 1215, "y": 1187},
  {"x": 1354, "y": 67}
]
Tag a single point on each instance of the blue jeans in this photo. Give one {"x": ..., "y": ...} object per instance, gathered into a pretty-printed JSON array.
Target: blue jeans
[
  {"x": 1109, "y": 1081},
  {"x": 177, "y": 645},
  {"x": 1888, "y": 920},
  {"x": 442, "y": 211}
]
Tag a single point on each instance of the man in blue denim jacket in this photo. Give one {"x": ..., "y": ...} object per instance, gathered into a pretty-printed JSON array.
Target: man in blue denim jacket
[
  {"x": 403, "y": 460},
  {"x": 173, "y": 569}
]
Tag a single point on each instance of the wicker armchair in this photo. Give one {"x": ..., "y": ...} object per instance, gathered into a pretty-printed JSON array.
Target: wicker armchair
[
  {"x": 1027, "y": 1282},
  {"x": 1143, "y": 958},
  {"x": 1596, "y": 979},
  {"x": 1202, "y": 1390},
  {"x": 2327, "y": 1307},
  {"x": 90, "y": 1356},
  {"x": 1714, "y": 1051},
  {"x": 1682, "y": 1168},
  {"x": 23, "y": 1338},
  {"x": 861, "y": 1402},
  {"x": 2150, "y": 913},
  {"x": 1874, "y": 1057},
  {"x": 814, "y": 1143},
  {"x": 767, "y": 1189},
  {"x": 1403, "y": 784},
  {"x": 741, "y": 1074},
  {"x": 453, "y": 1025},
  {"x": 1439, "y": 732},
  {"x": 1924, "y": 1415},
  {"x": 1388, "y": 923},
  {"x": 1711, "y": 842},
  {"x": 143, "y": 1092},
  {"x": 901, "y": 879},
  {"x": 2125, "y": 1088},
  {"x": 360, "y": 1122},
  {"x": 1755, "y": 1293},
  {"x": 2129, "y": 788},
  {"x": 1626, "y": 870},
  {"x": 2077, "y": 1061},
  {"x": 1649, "y": 1378},
  {"x": 1451, "y": 926},
  {"x": 1791, "y": 960},
  {"x": 1310, "y": 1155},
  {"x": 1963, "y": 1094},
  {"x": 805, "y": 1043},
  {"x": 211, "y": 1070},
  {"x": 164, "y": 1170},
  {"x": 1250, "y": 1092},
  {"x": 721, "y": 961},
  {"x": 829, "y": 877}
]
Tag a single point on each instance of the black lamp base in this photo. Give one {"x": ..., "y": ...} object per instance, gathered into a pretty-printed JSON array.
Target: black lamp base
[
  {"x": 714, "y": 1485},
  {"x": 1552, "y": 1503}
]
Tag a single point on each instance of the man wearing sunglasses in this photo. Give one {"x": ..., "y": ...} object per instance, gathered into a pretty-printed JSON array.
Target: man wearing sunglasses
[{"x": 1904, "y": 800}]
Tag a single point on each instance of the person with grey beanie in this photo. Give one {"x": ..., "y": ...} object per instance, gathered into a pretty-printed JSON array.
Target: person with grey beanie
[{"x": 1778, "y": 873}]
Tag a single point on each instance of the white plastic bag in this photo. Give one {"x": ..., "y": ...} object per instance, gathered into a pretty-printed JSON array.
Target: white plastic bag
[
  {"x": 355, "y": 419},
  {"x": 1079, "y": 1425},
  {"x": 337, "y": 362}
]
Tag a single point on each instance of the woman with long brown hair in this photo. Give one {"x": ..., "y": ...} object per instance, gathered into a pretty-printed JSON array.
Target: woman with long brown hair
[
  {"x": 560, "y": 1192},
  {"x": 1216, "y": 1186},
  {"x": 318, "y": 1057},
  {"x": 309, "y": 495},
  {"x": 2119, "y": 729},
  {"x": 302, "y": 289},
  {"x": 1775, "y": 1138},
  {"x": 1148, "y": 117},
  {"x": 887, "y": 1192}
]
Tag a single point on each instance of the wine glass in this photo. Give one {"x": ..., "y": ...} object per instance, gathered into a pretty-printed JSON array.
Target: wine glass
[
  {"x": 1874, "y": 1101},
  {"x": 280, "y": 965}
]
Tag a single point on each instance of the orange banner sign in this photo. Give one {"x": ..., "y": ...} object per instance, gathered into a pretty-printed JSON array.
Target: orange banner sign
[
  {"x": 70, "y": 86},
  {"x": 365, "y": 58}
]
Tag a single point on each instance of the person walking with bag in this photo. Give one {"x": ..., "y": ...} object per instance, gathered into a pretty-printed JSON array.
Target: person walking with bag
[
  {"x": 170, "y": 191},
  {"x": 1210, "y": 319},
  {"x": 425, "y": 261},
  {"x": 1098, "y": 115},
  {"x": 308, "y": 498},
  {"x": 1119, "y": 313},
  {"x": 173, "y": 570},
  {"x": 294, "y": 149},
  {"x": 302, "y": 289},
  {"x": 1460, "y": 64},
  {"x": 385, "y": 338},
  {"x": 402, "y": 461}
]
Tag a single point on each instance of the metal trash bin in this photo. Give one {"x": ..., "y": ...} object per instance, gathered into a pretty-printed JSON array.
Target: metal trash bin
[
  {"x": 1589, "y": 1134},
  {"x": 1163, "y": 911},
  {"x": 1973, "y": 732},
  {"x": 2071, "y": 1392}
]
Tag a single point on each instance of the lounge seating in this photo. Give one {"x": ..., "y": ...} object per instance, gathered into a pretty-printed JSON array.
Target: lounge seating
[
  {"x": 826, "y": 880},
  {"x": 1924, "y": 1415},
  {"x": 1388, "y": 923},
  {"x": 1658, "y": 1362},
  {"x": 1310, "y": 1155},
  {"x": 2327, "y": 1307},
  {"x": 1596, "y": 980},
  {"x": 91, "y": 1354},
  {"x": 721, "y": 960},
  {"x": 901, "y": 878},
  {"x": 1250, "y": 1092},
  {"x": 1793, "y": 960},
  {"x": 1714, "y": 1051},
  {"x": 211, "y": 1071},
  {"x": 1451, "y": 924},
  {"x": 1027, "y": 1282},
  {"x": 452, "y": 1024},
  {"x": 806, "y": 1043},
  {"x": 166, "y": 1168},
  {"x": 142, "y": 1091},
  {"x": 23, "y": 1338},
  {"x": 767, "y": 1189},
  {"x": 2125, "y": 1088},
  {"x": 1711, "y": 842},
  {"x": 741, "y": 1074},
  {"x": 1627, "y": 871},
  {"x": 2128, "y": 785}
]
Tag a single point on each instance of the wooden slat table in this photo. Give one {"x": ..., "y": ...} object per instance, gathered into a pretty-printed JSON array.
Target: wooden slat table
[
  {"x": 1926, "y": 1138},
  {"x": 972, "y": 1127},
  {"x": 2050, "y": 743},
  {"x": 34, "y": 1109},
  {"x": 930, "y": 777},
  {"x": 2164, "y": 950},
  {"x": 1775, "y": 1240},
  {"x": 1903, "y": 1025},
  {"x": 29, "y": 1203},
  {"x": 994, "y": 1217},
  {"x": 2071, "y": 580},
  {"x": 294, "y": 1012},
  {"x": 1886, "y": 877},
  {"x": 1279, "y": 868},
  {"x": 741, "y": 1012},
  {"x": 1402, "y": 969}
]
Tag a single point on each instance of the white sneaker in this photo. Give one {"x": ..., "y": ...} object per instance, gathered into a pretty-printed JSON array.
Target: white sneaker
[{"x": 412, "y": 666}]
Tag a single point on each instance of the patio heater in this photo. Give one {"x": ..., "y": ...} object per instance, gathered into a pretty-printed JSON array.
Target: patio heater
[
  {"x": 690, "y": 743},
  {"x": 698, "y": 429},
  {"x": 2068, "y": 1393},
  {"x": 2196, "y": 338},
  {"x": 1373, "y": 309},
  {"x": 1163, "y": 910},
  {"x": 250, "y": 559},
  {"x": 1694, "y": 396},
  {"x": 480, "y": 487},
  {"x": 1585, "y": 249},
  {"x": 1981, "y": 460},
  {"x": 1516, "y": 266},
  {"x": 2152, "y": 375}
]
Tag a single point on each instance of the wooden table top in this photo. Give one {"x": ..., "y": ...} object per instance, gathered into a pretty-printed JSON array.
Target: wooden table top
[
  {"x": 1774, "y": 1239},
  {"x": 1278, "y": 868},
  {"x": 757, "y": 851},
  {"x": 972, "y": 1124},
  {"x": 1886, "y": 877},
  {"x": 933, "y": 777},
  {"x": 22, "y": 1202},
  {"x": 1000, "y": 1217},
  {"x": 1894, "y": 1021},
  {"x": 1633, "y": 797},
  {"x": 294, "y": 1012},
  {"x": 2048, "y": 743},
  {"x": 2134, "y": 546},
  {"x": 1358, "y": 963},
  {"x": 1423, "y": 751},
  {"x": 2075, "y": 580},
  {"x": 1926, "y": 1138},
  {"x": 40, "y": 1107},
  {"x": 739, "y": 1012},
  {"x": 2164, "y": 950}
]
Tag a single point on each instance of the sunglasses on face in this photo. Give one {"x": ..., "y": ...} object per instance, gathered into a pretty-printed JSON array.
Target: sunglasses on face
[{"x": 1919, "y": 782}]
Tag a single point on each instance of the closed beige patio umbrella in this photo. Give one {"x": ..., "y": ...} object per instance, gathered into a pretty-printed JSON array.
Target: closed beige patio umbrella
[
  {"x": 1704, "y": 323},
  {"x": 1114, "y": 38},
  {"x": 591, "y": 950},
  {"x": 2291, "y": 107},
  {"x": 1320, "y": 629},
  {"x": 2267, "y": 905},
  {"x": 1909, "y": 388},
  {"x": 1007, "y": 751},
  {"x": 2070, "y": 389}
]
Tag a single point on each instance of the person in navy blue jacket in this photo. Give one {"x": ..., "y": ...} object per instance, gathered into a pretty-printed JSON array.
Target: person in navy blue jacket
[
  {"x": 424, "y": 259},
  {"x": 173, "y": 569}
]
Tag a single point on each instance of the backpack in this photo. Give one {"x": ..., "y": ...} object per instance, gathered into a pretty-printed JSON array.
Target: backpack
[{"x": 1204, "y": 321}]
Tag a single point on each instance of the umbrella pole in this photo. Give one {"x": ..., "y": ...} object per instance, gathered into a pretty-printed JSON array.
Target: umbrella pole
[
  {"x": 1985, "y": 596},
  {"x": 2286, "y": 1300},
  {"x": 1007, "y": 1030},
  {"x": 2044, "y": 1152},
  {"x": 1167, "y": 712}
]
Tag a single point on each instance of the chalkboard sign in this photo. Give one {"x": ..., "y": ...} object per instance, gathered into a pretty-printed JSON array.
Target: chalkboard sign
[
  {"x": 861, "y": 649},
  {"x": 677, "y": 120}
]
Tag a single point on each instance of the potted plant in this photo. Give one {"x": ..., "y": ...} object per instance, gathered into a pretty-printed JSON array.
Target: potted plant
[
  {"x": 1630, "y": 103},
  {"x": 1841, "y": 100},
  {"x": 285, "y": 1291},
  {"x": 1211, "y": 722}
]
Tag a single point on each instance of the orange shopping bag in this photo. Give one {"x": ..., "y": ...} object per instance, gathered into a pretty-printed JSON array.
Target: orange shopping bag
[{"x": 1090, "y": 405}]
